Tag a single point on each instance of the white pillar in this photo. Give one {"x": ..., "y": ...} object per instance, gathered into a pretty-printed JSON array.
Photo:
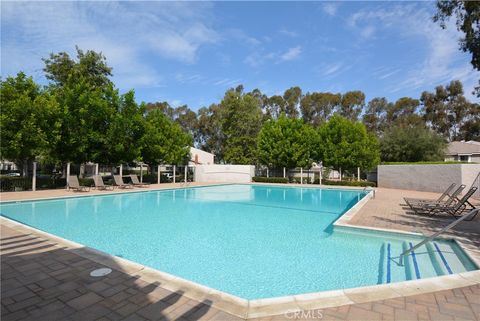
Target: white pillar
[
  {"x": 158, "y": 174},
  {"x": 121, "y": 170},
  {"x": 340, "y": 173},
  {"x": 301, "y": 175},
  {"x": 358, "y": 173},
  {"x": 34, "y": 178},
  {"x": 320, "y": 176},
  {"x": 284, "y": 173},
  {"x": 267, "y": 173},
  {"x": 96, "y": 169},
  {"x": 186, "y": 173},
  {"x": 141, "y": 172},
  {"x": 68, "y": 175},
  {"x": 174, "y": 171}
]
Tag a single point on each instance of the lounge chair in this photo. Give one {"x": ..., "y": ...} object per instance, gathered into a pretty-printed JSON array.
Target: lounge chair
[
  {"x": 446, "y": 193},
  {"x": 74, "y": 184},
  {"x": 136, "y": 182},
  {"x": 99, "y": 184},
  {"x": 419, "y": 203},
  {"x": 118, "y": 180},
  {"x": 455, "y": 209}
]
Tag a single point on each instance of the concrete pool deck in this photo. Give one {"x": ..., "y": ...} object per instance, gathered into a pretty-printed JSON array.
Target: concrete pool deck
[{"x": 46, "y": 279}]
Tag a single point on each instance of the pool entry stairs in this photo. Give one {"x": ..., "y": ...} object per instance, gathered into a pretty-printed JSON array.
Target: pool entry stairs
[{"x": 429, "y": 260}]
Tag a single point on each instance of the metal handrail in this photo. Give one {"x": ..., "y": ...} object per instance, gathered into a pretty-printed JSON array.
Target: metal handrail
[{"x": 431, "y": 237}]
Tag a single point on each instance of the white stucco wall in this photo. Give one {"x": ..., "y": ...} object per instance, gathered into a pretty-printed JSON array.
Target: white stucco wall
[
  {"x": 429, "y": 178},
  {"x": 203, "y": 157},
  {"x": 224, "y": 173}
]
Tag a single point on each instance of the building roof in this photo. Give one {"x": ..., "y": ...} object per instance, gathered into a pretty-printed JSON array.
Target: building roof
[{"x": 463, "y": 148}]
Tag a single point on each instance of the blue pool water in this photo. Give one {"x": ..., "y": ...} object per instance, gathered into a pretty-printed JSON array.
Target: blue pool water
[{"x": 247, "y": 240}]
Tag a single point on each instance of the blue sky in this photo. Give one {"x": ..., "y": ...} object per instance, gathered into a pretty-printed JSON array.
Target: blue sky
[{"x": 191, "y": 52}]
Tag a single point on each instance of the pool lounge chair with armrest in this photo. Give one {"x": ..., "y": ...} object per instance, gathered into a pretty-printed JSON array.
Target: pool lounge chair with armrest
[
  {"x": 99, "y": 184},
  {"x": 442, "y": 197},
  {"x": 136, "y": 182},
  {"x": 419, "y": 207},
  {"x": 119, "y": 182},
  {"x": 456, "y": 209},
  {"x": 74, "y": 184}
]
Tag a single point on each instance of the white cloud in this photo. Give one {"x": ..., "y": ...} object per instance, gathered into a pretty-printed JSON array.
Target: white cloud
[
  {"x": 289, "y": 33},
  {"x": 442, "y": 60},
  {"x": 291, "y": 54},
  {"x": 124, "y": 31},
  {"x": 330, "y": 8},
  {"x": 367, "y": 32}
]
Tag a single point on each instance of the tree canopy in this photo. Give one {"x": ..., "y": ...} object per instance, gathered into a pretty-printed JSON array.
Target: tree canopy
[
  {"x": 287, "y": 142},
  {"x": 347, "y": 145}
]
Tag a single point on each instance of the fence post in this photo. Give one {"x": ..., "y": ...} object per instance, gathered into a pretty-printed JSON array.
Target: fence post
[
  {"x": 284, "y": 173},
  {"x": 174, "y": 172},
  {"x": 96, "y": 169},
  {"x": 185, "y": 175},
  {"x": 358, "y": 174},
  {"x": 121, "y": 170},
  {"x": 301, "y": 175},
  {"x": 158, "y": 174},
  {"x": 68, "y": 176},
  {"x": 141, "y": 172},
  {"x": 34, "y": 178},
  {"x": 320, "y": 176},
  {"x": 340, "y": 173},
  {"x": 267, "y": 173}
]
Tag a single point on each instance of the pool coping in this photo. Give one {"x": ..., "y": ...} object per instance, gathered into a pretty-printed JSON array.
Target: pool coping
[{"x": 277, "y": 305}]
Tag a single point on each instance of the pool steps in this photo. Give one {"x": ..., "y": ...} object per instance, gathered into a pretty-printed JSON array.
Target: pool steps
[{"x": 429, "y": 260}]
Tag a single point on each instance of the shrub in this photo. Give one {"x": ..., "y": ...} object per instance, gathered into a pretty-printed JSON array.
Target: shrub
[
  {"x": 278, "y": 180},
  {"x": 346, "y": 183}
]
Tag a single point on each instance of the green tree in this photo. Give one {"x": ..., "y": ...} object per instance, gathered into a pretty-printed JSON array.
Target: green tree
[
  {"x": 467, "y": 14},
  {"x": 318, "y": 107},
  {"x": 88, "y": 103},
  {"x": 287, "y": 143},
  {"x": 125, "y": 131},
  {"x": 210, "y": 136},
  {"x": 352, "y": 104},
  {"x": 375, "y": 116},
  {"x": 412, "y": 144},
  {"x": 446, "y": 110},
  {"x": 164, "y": 142},
  {"x": 30, "y": 120},
  {"x": 292, "y": 97},
  {"x": 404, "y": 112},
  {"x": 242, "y": 121},
  {"x": 274, "y": 107},
  {"x": 344, "y": 144}
]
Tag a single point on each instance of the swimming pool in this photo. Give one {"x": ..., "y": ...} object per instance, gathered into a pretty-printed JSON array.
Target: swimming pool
[{"x": 251, "y": 241}]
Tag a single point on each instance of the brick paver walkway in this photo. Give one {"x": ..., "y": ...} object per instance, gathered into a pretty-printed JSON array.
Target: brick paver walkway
[{"x": 42, "y": 281}]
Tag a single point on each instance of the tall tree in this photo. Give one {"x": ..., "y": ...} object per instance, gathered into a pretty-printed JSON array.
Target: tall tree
[
  {"x": 240, "y": 125},
  {"x": 125, "y": 131},
  {"x": 210, "y": 136},
  {"x": 375, "y": 116},
  {"x": 287, "y": 142},
  {"x": 274, "y": 107},
  {"x": 404, "y": 111},
  {"x": 292, "y": 97},
  {"x": 352, "y": 104},
  {"x": 30, "y": 120},
  {"x": 344, "y": 144},
  {"x": 88, "y": 101},
  {"x": 164, "y": 142},
  {"x": 446, "y": 110},
  {"x": 412, "y": 143},
  {"x": 318, "y": 107}
]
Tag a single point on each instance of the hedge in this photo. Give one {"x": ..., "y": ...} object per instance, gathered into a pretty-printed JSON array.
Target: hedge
[
  {"x": 425, "y": 163},
  {"x": 262, "y": 179},
  {"x": 346, "y": 183}
]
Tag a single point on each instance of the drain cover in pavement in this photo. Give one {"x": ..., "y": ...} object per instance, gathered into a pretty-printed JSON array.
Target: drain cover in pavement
[{"x": 100, "y": 272}]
